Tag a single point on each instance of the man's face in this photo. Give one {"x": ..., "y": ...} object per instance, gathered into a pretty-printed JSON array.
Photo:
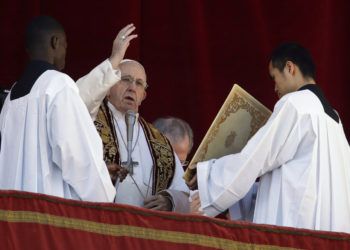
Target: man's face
[
  {"x": 182, "y": 148},
  {"x": 60, "y": 59},
  {"x": 283, "y": 80},
  {"x": 130, "y": 91}
]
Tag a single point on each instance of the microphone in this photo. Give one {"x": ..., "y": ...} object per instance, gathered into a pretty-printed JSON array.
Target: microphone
[{"x": 130, "y": 118}]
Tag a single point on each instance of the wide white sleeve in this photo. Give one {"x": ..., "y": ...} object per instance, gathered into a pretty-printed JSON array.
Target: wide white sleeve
[
  {"x": 94, "y": 86},
  {"x": 77, "y": 147},
  {"x": 224, "y": 181}
]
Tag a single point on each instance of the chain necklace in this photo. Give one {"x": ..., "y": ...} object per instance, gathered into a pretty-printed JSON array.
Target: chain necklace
[
  {"x": 138, "y": 188},
  {"x": 121, "y": 135},
  {"x": 132, "y": 178}
]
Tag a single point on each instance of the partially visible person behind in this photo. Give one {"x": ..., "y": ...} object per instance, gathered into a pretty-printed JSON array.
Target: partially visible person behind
[
  {"x": 179, "y": 134},
  {"x": 49, "y": 143},
  {"x": 156, "y": 181},
  {"x": 301, "y": 156}
]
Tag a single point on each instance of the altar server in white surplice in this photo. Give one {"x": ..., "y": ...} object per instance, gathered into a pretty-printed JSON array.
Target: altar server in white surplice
[
  {"x": 49, "y": 143},
  {"x": 301, "y": 156}
]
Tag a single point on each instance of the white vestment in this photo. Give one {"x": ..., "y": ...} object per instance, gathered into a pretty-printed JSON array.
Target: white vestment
[
  {"x": 303, "y": 160},
  {"x": 93, "y": 89},
  {"x": 135, "y": 190},
  {"x": 49, "y": 144},
  {"x": 94, "y": 86}
]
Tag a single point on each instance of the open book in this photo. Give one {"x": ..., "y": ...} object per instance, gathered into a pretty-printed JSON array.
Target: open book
[{"x": 239, "y": 118}]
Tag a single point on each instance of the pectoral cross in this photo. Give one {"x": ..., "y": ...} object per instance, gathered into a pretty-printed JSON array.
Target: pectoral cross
[{"x": 130, "y": 166}]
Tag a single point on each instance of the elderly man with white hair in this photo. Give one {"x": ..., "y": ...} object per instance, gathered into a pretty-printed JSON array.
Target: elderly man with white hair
[{"x": 156, "y": 182}]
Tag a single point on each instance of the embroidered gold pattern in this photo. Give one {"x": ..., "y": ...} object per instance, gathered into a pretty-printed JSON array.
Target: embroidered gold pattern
[{"x": 161, "y": 150}]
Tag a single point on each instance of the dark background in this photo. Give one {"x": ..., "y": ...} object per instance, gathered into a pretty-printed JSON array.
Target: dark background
[{"x": 193, "y": 50}]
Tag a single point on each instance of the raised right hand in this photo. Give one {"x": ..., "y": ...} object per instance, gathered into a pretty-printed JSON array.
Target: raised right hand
[{"x": 121, "y": 43}]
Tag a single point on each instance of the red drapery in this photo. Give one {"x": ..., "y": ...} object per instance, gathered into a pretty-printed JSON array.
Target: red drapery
[
  {"x": 193, "y": 51},
  {"x": 36, "y": 221}
]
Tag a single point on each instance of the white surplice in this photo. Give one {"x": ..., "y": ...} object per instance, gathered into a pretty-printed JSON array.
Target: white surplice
[
  {"x": 133, "y": 191},
  {"x": 49, "y": 143},
  {"x": 303, "y": 160}
]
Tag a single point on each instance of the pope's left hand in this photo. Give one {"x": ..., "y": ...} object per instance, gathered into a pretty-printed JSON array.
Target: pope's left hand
[{"x": 158, "y": 202}]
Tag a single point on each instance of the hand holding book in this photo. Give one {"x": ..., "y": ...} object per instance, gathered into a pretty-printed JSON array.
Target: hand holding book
[
  {"x": 191, "y": 177},
  {"x": 239, "y": 118}
]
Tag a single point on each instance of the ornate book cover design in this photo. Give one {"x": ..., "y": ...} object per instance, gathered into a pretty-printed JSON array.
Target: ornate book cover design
[{"x": 239, "y": 118}]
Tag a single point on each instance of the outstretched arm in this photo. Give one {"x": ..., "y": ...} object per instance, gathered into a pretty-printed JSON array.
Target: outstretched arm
[{"x": 94, "y": 86}]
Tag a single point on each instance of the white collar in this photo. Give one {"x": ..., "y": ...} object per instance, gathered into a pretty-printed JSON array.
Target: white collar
[{"x": 117, "y": 114}]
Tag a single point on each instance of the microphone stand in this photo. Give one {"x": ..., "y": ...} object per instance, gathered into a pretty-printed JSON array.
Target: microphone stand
[{"x": 130, "y": 119}]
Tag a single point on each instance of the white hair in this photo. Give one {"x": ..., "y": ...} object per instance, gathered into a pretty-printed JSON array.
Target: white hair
[{"x": 131, "y": 60}]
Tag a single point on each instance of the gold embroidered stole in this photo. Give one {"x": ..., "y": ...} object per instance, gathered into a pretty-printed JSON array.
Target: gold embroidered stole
[
  {"x": 162, "y": 155},
  {"x": 105, "y": 127},
  {"x": 161, "y": 151}
]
